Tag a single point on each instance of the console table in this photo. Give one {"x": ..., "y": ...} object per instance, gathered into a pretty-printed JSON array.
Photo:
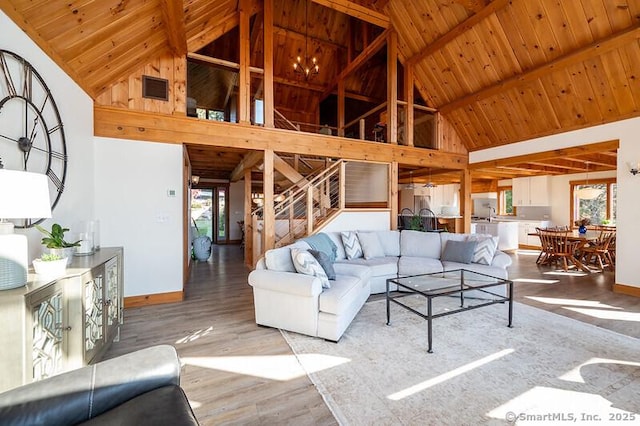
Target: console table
[{"x": 54, "y": 325}]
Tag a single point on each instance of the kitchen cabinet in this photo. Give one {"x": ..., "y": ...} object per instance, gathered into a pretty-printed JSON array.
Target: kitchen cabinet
[
  {"x": 531, "y": 191},
  {"x": 507, "y": 233},
  {"x": 444, "y": 195},
  {"x": 528, "y": 227},
  {"x": 59, "y": 324}
]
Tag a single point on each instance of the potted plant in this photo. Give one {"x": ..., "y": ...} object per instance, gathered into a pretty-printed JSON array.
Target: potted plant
[
  {"x": 54, "y": 241},
  {"x": 582, "y": 224},
  {"x": 50, "y": 265}
]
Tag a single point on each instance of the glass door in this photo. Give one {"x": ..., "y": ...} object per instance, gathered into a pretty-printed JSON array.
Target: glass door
[
  {"x": 202, "y": 212},
  {"x": 221, "y": 215}
]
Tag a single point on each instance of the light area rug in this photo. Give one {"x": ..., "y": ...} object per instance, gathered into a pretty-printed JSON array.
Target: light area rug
[{"x": 547, "y": 369}]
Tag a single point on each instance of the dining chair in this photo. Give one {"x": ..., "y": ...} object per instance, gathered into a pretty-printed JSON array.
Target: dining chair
[
  {"x": 545, "y": 244},
  {"x": 599, "y": 252},
  {"x": 559, "y": 248}
]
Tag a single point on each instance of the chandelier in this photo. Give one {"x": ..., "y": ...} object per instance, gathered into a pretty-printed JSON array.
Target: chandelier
[{"x": 305, "y": 67}]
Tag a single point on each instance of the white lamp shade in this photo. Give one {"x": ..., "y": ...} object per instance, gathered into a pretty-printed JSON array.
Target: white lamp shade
[
  {"x": 588, "y": 193},
  {"x": 24, "y": 195}
]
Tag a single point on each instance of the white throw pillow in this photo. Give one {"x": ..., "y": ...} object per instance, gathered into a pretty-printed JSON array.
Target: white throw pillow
[
  {"x": 306, "y": 264},
  {"x": 371, "y": 246},
  {"x": 351, "y": 245},
  {"x": 485, "y": 249}
]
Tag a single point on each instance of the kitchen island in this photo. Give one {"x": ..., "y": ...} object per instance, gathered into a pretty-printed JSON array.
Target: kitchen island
[{"x": 506, "y": 231}]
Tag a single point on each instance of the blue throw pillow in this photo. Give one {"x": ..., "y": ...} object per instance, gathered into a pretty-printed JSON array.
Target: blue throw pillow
[{"x": 459, "y": 251}]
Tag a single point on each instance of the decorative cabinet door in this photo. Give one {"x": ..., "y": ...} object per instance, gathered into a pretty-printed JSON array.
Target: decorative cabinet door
[
  {"x": 93, "y": 293},
  {"x": 112, "y": 298},
  {"x": 48, "y": 319}
]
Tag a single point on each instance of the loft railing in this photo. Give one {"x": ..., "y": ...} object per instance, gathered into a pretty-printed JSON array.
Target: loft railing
[{"x": 305, "y": 209}]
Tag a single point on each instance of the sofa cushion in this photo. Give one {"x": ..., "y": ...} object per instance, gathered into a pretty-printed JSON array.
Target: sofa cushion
[
  {"x": 371, "y": 247},
  {"x": 493, "y": 271},
  {"x": 380, "y": 266},
  {"x": 459, "y": 251},
  {"x": 324, "y": 261},
  {"x": 420, "y": 244},
  {"x": 337, "y": 240},
  {"x": 341, "y": 295},
  {"x": 279, "y": 259},
  {"x": 352, "y": 247},
  {"x": 306, "y": 264},
  {"x": 390, "y": 241},
  {"x": 410, "y": 265},
  {"x": 485, "y": 248}
]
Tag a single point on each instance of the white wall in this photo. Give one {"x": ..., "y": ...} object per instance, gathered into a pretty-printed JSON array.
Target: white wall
[
  {"x": 359, "y": 221},
  {"x": 132, "y": 180},
  {"x": 76, "y": 111},
  {"x": 236, "y": 209},
  {"x": 627, "y": 131}
]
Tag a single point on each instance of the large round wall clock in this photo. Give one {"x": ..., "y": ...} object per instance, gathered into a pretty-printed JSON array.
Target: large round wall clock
[{"x": 31, "y": 132}]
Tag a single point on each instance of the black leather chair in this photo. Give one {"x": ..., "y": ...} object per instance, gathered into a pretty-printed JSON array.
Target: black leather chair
[{"x": 142, "y": 387}]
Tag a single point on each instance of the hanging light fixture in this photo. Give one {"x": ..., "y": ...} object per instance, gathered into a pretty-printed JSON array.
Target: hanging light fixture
[
  {"x": 306, "y": 67},
  {"x": 430, "y": 183},
  {"x": 588, "y": 192},
  {"x": 410, "y": 185}
]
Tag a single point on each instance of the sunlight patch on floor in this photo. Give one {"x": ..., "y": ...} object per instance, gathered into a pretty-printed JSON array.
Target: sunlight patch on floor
[
  {"x": 273, "y": 367},
  {"x": 448, "y": 375},
  {"x": 572, "y": 302},
  {"x": 535, "y": 281},
  {"x": 550, "y": 406},
  {"x": 606, "y": 314},
  {"x": 525, "y": 252},
  {"x": 567, "y": 273},
  {"x": 576, "y": 376},
  {"x": 194, "y": 336}
]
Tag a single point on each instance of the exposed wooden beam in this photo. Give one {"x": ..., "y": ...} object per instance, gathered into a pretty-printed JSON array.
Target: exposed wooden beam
[
  {"x": 208, "y": 35},
  {"x": 173, "y": 17},
  {"x": 248, "y": 162},
  {"x": 473, "y": 5},
  {"x": 341, "y": 105},
  {"x": 223, "y": 63},
  {"x": 147, "y": 126},
  {"x": 291, "y": 174},
  {"x": 292, "y": 34},
  {"x": 244, "y": 83},
  {"x": 363, "y": 57},
  {"x": 458, "y": 30},
  {"x": 593, "y": 50},
  {"x": 392, "y": 87},
  {"x": 357, "y": 11},
  {"x": 269, "y": 214},
  {"x": 547, "y": 155},
  {"x": 409, "y": 110},
  {"x": 248, "y": 220}
]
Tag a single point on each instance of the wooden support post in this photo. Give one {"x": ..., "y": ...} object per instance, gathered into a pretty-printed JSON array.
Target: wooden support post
[
  {"x": 268, "y": 64},
  {"x": 244, "y": 85},
  {"x": 269, "y": 215},
  {"x": 409, "y": 112},
  {"x": 248, "y": 220},
  {"x": 362, "y": 127},
  {"x": 392, "y": 87},
  {"x": 465, "y": 199},
  {"x": 342, "y": 184},
  {"x": 393, "y": 194},
  {"x": 341, "y": 91}
]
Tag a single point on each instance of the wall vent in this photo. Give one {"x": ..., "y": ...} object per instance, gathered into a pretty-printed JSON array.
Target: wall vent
[{"x": 155, "y": 88}]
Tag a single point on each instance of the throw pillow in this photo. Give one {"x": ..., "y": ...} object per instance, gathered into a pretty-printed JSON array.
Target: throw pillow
[
  {"x": 351, "y": 244},
  {"x": 325, "y": 261},
  {"x": 306, "y": 264},
  {"x": 485, "y": 248},
  {"x": 459, "y": 251},
  {"x": 371, "y": 246}
]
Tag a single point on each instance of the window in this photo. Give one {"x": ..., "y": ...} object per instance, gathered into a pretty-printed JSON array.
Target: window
[
  {"x": 210, "y": 114},
  {"x": 505, "y": 201},
  {"x": 600, "y": 210}
]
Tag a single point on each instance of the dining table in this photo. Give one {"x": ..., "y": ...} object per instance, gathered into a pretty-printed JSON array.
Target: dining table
[{"x": 583, "y": 239}]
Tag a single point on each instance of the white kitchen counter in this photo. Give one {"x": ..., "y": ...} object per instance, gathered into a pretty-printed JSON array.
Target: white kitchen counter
[{"x": 506, "y": 231}]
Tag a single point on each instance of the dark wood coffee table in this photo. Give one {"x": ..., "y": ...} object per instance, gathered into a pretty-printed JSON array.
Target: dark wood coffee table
[{"x": 473, "y": 289}]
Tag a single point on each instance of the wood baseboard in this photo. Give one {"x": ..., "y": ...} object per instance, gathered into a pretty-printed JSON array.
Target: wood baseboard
[
  {"x": 153, "y": 299},
  {"x": 626, "y": 289}
]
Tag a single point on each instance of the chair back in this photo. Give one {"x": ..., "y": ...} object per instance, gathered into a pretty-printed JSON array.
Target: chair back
[
  {"x": 404, "y": 218},
  {"x": 556, "y": 241},
  {"x": 428, "y": 219},
  {"x": 606, "y": 239}
]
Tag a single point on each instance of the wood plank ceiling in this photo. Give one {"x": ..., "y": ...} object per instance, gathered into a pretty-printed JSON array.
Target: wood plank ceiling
[{"x": 500, "y": 72}]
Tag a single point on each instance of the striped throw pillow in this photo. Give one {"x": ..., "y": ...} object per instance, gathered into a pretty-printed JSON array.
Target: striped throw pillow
[
  {"x": 352, "y": 247},
  {"x": 306, "y": 264}
]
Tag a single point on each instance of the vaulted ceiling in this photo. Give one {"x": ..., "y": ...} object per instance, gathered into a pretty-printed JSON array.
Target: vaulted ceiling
[{"x": 500, "y": 71}]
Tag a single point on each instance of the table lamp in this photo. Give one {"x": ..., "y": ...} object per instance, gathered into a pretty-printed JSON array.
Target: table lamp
[{"x": 23, "y": 195}]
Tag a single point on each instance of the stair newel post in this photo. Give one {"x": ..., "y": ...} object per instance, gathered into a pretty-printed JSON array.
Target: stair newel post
[
  {"x": 342, "y": 184},
  {"x": 309, "y": 209}
]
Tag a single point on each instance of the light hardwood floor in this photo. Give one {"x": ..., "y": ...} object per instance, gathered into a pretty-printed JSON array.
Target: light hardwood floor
[{"x": 215, "y": 326}]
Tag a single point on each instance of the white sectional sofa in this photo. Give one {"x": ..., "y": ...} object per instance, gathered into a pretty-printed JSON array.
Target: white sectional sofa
[{"x": 297, "y": 302}]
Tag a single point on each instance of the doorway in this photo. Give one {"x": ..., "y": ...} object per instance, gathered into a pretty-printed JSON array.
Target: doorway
[{"x": 209, "y": 212}]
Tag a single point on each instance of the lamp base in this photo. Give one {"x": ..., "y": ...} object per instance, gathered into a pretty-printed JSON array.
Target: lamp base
[{"x": 13, "y": 261}]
